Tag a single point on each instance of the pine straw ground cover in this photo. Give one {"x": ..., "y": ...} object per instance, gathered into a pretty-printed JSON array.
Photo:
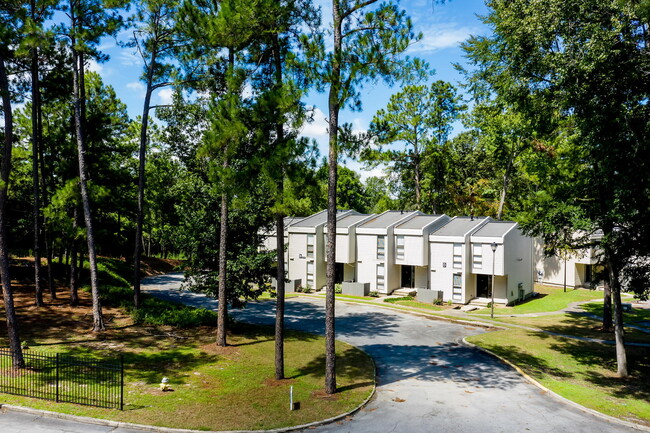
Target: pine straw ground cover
[
  {"x": 214, "y": 388},
  {"x": 581, "y": 371}
]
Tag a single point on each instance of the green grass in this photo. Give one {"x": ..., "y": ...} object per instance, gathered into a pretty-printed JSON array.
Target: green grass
[
  {"x": 361, "y": 298},
  {"x": 215, "y": 388},
  {"x": 580, "y": 371},
  {"x": 636, "y": 315},
  {"x": 408, "y": 301},
  {"x": 576, "y": 325},
  {"x": 549, "y": 299},
  {"x": 230, "y": 388}
]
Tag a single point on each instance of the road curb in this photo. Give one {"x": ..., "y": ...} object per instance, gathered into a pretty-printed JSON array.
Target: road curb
[
  {"x": 143, "y": 427},
  {"x": 557, "y": 396}
]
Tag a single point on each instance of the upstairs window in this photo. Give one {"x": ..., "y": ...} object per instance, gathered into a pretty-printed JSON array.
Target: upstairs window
[
  {"x": 399, "y": 249},
  {"x": 310, "y": 246},
  {"x": 381, "y": 247},
  {"x": 458, "y": 256},
  {"x": 477, "y": 256}
]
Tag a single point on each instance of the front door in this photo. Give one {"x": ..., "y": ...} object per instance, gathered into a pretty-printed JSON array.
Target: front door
[
  {"x": 483, "y": 286},
  {"x": 338, "y": 273},
  {"x": 408, "y": 276}
]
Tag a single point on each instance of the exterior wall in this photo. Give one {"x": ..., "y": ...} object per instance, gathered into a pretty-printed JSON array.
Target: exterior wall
[
  {"x": 487, "y": 254},
  {"x": 320, "y": 277},
  {"x": 441, "y": 269},
  {"x": 552, "y": 268},
  {"x": 297, "y": 263},
  {"x": 367, "y": 260},
  {"x": 344, "y": 250},
  {"x": 414, "y": 251},
  {"x": 349, "y": 272},
  {"x": 518, "y": 264},
  {"x": 421, "y": 277},
  {"x": 393, "y": 271}
]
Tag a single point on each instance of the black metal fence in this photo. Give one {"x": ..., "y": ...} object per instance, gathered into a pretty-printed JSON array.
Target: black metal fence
[{"x": 63, "y": 378}]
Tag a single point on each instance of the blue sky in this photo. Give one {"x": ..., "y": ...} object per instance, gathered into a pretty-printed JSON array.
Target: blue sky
[{"x": 444, "y": 27}]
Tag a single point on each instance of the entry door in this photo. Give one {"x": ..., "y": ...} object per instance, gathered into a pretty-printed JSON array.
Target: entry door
[
  {"x": 483, "y": 286},
  {"x": 408, "y": 276},
  {"x": 338, "y": 273}
]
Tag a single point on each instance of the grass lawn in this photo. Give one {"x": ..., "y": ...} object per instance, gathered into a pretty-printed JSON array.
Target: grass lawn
[
  {"x": 361, "y": 298},
  {"x": 636, "y": 315},
  {"x": 574, "y": 324},
  {"x": 215, "y": 388},
  {"x": 408, "y": 301},
  {"x": 580, "y": 371},
  {"x": 549, "y": 299}
]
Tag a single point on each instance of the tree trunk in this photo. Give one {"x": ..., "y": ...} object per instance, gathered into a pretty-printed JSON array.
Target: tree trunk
[
  {"x": 619, "y": 333},
  {"x": 79, "y": 96},
  {"x": 504, "y": 189},
  {"x": 222, "y": 311},
  {"x": 74, "y": 281},
  {"x": 36, "y": 221},
  {"x": 417, "y": 173},
  {"x": 334, "y": 107},
  {"x": 141, "y": 181},
  {"x": 5, "y": 169},
  {"x": 279, "y": 227},
  {"x": 279, "y": 309},
  {"x": 607, "y": 306}
]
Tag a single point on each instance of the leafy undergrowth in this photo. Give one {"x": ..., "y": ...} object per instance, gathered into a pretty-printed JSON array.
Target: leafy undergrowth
[
  {"x": 581, "y": 371},
  {"x": 215, "y": 388},
  {"x": 548, "y": 299},
  {"x": 636, "y": 315}
]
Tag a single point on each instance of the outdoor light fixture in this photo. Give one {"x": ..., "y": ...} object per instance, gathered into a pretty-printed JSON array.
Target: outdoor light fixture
[{"x": 494, "y": 250}]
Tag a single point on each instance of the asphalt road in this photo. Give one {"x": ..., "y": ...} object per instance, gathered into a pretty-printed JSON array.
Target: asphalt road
[{"x": 427, "y": 380}]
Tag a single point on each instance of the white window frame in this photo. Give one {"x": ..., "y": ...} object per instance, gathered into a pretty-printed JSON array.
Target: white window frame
[
  {"x": 399, "y": 247},
  {"x": 458, "y": 256},
  {"x": 310, "y": 243},
  {"x": 381, "y": 276},
  {"x": 477, "y": 256},
  {"x": 381, "y": 247}
]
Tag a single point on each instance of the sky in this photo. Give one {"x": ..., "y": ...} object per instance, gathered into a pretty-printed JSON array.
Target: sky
[{"x": 444, "y": 27}]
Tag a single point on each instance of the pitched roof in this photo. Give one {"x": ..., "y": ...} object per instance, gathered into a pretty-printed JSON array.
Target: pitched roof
[
  {"x": 384, "y": 220},
  {"x": 418, "y": 222},
  {"x": 459, "y": 226},
  {"x": 495, "y": 229}
]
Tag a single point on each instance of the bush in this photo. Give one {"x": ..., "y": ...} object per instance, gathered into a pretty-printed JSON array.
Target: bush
[
  {"x": 403, "y": 298},
  {"x": 307, "y": 289},
  {"x": 437, "y": 301},
  {"x": 338, "y": 288},
  {"x": 374, "y": 294}
]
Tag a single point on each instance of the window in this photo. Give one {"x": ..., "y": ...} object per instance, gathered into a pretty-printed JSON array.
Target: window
[
  {"x": 380, "y": 276},
  {"x": 310, "y": 274},
  {"x": 399, "y": 252},
  {"x": 457, "y": 293},
  {"x": 458, "y": 256},
  {"x": 381, "y": 247},
  {"x": 477, "y": 253},
  {"x": 310, "y": 246}
]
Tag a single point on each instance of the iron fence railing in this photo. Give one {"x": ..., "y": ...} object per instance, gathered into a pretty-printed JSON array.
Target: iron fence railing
[{"x": 63, "y": 378}]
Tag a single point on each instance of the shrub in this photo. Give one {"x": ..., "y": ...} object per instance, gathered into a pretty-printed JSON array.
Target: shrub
[
  {"x": 338, "y": 288},
  {"x": 437, "y": 301},
  {"x": 374, "y": 294}
]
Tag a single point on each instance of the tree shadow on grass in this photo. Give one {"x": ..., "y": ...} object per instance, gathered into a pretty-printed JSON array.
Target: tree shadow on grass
[{"x": 596, "y": 357}]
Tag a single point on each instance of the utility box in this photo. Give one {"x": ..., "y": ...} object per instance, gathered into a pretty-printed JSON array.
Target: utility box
[
  {"x": 289, "y": 285},
  {"x": 355, "y": 289},
  {"x": 428, "y": 296}
]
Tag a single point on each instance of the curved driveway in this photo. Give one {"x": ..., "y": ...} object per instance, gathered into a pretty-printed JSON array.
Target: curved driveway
[{"x": 427, "y": 380}]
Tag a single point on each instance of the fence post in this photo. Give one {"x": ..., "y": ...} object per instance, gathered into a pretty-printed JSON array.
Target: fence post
[
  {"x": 122, "y": 382},
  {"x": 57, "y": 377}
]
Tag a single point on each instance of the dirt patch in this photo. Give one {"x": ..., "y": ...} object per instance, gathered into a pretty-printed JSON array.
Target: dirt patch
[
  {"x": 213, "y": 349},
  {"x": 321, "y": 394},
  {"x": 276, "y": 382},
  {"x": 154, "y": 266}
]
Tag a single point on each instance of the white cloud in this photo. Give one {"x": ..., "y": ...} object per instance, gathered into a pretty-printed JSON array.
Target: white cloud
[
  {"x": 439, "y": 36},
  {"x": 165, "y": 95},
  {"x": 135, "y": 85},
  {"x": 317, "y": 129},
  {"x": 130, "y": 58},
  {"x": 93, "y": 66}
]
